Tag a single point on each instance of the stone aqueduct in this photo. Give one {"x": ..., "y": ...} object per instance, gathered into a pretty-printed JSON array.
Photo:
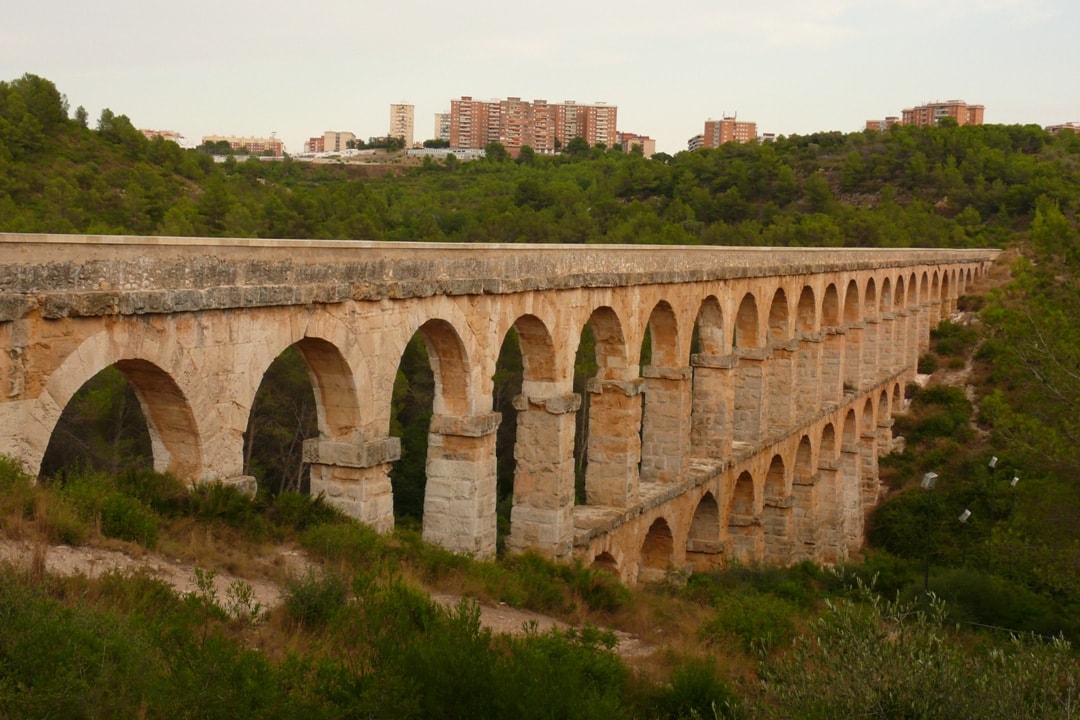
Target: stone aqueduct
[{"x": 752, "y": 434}]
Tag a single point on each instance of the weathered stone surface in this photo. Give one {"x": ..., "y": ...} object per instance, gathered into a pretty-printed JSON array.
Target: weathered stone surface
[
  {"x": 470, "y": 426},
  {"x": 761, "y": 447},
  {"x": 343, "y": 454}
]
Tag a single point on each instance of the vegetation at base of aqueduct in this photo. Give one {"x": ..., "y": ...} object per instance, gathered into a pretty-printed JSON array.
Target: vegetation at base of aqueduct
[{"x": 756, "y": 642}]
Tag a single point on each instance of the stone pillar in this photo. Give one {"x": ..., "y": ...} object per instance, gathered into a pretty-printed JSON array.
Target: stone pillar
[
  {"x": 542, "y": 518},
  {"x": 782, "y": 367},
  {"x": 808, "y": 384},
  {"x": 665, "y": 432},
  {"x": 355, "y": 477},
  {"x": 849, "y": 499},
  {"x": 923, "y": 334},
  {"x": 750, "y": 384},
  {"x": 907, "y": 346},
  {"x": 776, "y": 529},
  {"x": 807, "y": 525},
  {"x": 935, "y": 313},
  {"x": 885, "y": 436},
  {"x": 853, "y": 353},
  {"x": 871, "y": 364},
  {"x": 713, "y": 405},
  {"x": 459, "y": 500},
  {"x": 832, "y": 366},
  {"x": 827, "y": 522},
  {"x": 744, "y": 538},
  {"x": 614, "y": 451},
  {"x": 887, "y": 344},
  {"x": 868, "y": 469}
]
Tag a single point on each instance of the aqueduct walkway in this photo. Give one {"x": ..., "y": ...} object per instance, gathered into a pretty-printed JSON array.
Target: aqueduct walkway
[{"x": 753, "y": 433}]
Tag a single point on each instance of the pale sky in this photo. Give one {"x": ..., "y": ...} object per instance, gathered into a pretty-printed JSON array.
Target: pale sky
[{"x": 236, "y": 67}]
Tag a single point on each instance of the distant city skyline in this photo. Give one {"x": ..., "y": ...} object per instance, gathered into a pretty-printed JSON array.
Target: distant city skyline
[{"x": 247, "y": 69}]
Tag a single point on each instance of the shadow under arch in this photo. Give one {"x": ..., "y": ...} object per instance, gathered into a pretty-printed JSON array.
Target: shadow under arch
[
  {"x": 666, "y": 388},
  {"x": 531, "y": 462},
  {"x": 805, "y": 505},
  {"x": 173, "y": 434},
  {"x": 607, "y": 446},
  {"x": 308, "y": 394},
  {"x": 712, "y": 404},
  {"x": 744, "y": 525},
  {"x": 704, "y": 548},
  {"x": 776, "y": 514},
  {"x": 657, "y": 552}
]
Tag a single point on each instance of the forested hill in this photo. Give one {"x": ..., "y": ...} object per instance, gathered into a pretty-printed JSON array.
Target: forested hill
[
  {"x": 945, "y": 186},
  {"x": 1013, "y": 565}
]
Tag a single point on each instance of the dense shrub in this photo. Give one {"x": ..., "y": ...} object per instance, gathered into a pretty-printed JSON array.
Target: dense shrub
[
  {"x": 759, "y": 622},
  {"x": 353, "y": 544},
  {"x": 883, "y": 659},
  {"x": 224, "y": 503},
  {"x": 164, "y": 493},
  {"x": 125, "y": 518},
  {"x": 299, "y": 511},
  {"x": 951, "y": 339},
  {"x": 696, "y": 690},
  {"x": 312, "y": 601}
]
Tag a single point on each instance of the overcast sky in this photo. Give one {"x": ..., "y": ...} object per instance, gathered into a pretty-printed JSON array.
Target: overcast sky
[{"x": 235, "y": 67}]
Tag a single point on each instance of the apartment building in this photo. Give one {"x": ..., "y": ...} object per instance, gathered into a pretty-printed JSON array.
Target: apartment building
[
  {"x": 253, "y": 145},
  {"x": 882, "y": 125},
  {"x": 330, "y": 141},
  {"x": 169, "y": 135},
  {"x": 442, "y": 126},
  {"x": 401, "y": 122},
  {"x": 933, "y": 113},
  {"x": 1066, "y": 127},
  {"x": 543, "y": 126},
  {"x": 627, "y": 141},
  {"x": 469, "y": 123},
  {"x": 728, "y": 129}
]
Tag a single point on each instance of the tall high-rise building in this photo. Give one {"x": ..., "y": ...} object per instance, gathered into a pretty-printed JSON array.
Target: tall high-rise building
[
  {"x": 401, "y": 122},
  {"x": 933, "y": 113},
  {"x": 543, "y": 126},
  {"x": 442, "y": 126},
  {"x": 469, "y": 123}
]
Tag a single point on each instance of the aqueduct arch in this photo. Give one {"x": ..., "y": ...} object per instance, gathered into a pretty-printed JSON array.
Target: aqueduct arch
[{"x": 770, "y": 379}]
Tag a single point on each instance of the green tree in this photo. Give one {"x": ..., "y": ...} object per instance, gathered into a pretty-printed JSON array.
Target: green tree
[{"x": 496, "y": 152}]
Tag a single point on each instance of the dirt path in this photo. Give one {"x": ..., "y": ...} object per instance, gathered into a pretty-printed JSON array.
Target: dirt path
[{"x": 94, "y": 562}]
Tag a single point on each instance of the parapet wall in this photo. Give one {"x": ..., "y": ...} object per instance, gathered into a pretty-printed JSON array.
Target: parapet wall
[{"x": 84, "y": 275}]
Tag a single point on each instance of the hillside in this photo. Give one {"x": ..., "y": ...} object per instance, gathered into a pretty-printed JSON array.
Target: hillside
[{"x": 361, "y": 634}]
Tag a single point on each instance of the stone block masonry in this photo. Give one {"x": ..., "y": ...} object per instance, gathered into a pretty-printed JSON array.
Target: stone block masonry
[{"x": 752, "y": 430}]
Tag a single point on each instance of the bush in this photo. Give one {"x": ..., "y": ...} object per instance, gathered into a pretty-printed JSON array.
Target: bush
[
  {"x": 12, "y": 474},
  {"x": 695, "y": 691},
  {"x": 125, "y": 518},
  {"x": 225, "y": 503},
  {"x": 313, "y": 601},
  {"x": 299, "y": 511},
  {"x": 928, "y": 363},
  {"x": 953, "y": 339},
  {"x": 163, "y": 493},
  {"x": 984, "y": 599},
  {"x": 63, "y": 524},
  {"x": 600, "y": 590},
  {"x": 353, "y": 544},
  {"x": 891, "y": 660},
  {"x": 759, "y": 622}
]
